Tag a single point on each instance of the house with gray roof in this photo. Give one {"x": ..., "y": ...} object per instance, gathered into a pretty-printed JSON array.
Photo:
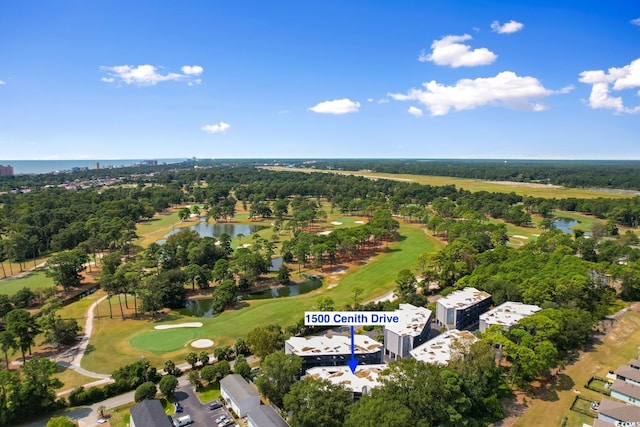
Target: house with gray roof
[
  {"x": 149, "y": 413},
  {"x": 265, "y": 416},
  {"x": 628, "y": 374},
  {"x": 238, "y": 394},
  {"x": 627, "y": 392},
  {"x": 615, "y": 412}
]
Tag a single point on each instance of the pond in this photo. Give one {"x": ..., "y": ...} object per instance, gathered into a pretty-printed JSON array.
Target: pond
[
  {"x": 204, "y": 229},
  {"x": 276, "y": 263},
  {"x": 565, "y": 224},
  {"x": 203, "y": 307}
]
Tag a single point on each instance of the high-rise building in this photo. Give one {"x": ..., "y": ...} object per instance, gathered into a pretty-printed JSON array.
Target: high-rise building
[{"x": 6, "y": 170}]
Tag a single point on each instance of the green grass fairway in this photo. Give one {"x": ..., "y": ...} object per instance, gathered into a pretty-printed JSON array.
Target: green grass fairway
[
  {"x": 165, "y": 340},
  {"x": 35, "y": 280},
  {"x": 115, "y": 342},
  {"x": 477, "y": 185}
]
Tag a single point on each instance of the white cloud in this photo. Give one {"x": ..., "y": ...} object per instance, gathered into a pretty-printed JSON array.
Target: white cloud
[
  {"x": 383, "y": 101},
  {"x": 507, "y": 28},
  {"x": 566, "y": 89},
  {"x": 505, "y": 89},
  {"x": 414, "y": 111},
  {"x": 602, "y": 82},
  {"x": 221, "y": 127},
  {"x": 192, "y": 70},
  {"x": 369, "y": 99},
  {"x": 636, "y": 21},
  {"x": 337, "y": 106},
  {"x": 147, "y": 75},
  {"x": 449, "y": 51},
  {"x": 2, "y": 83}
]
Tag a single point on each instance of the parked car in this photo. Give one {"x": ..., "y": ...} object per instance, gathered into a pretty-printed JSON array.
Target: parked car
[
  {"x": 215, "y": 405},
  {"x": 221, "y": 418},
  {"x": 182, "y": 421}
]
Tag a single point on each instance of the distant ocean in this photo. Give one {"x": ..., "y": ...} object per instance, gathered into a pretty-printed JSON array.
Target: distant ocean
[{"x": 22, "y": 167}]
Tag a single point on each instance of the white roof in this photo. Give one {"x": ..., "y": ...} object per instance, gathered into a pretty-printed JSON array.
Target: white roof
[
  {"x": 412, "y": 320},
  {"x": 332, "y": 344},
  {"x": 508, "y": 313},
  {"x": 464, "y": 298},
  {"x": 365, "y": 377},
  {"x": 438, "y": 350}
]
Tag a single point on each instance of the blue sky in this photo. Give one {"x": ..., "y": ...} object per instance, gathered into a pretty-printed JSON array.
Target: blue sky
[{"x": 332, "y": 78}]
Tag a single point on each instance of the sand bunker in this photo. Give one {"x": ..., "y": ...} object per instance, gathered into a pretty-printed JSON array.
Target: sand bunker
[
  {"x": 202, "y": 343},
  {"x": 324, "y": 233},
  {"x": 517, "y": 236},
  {"x": 180, "y": 325},
  {"x": 359, "y": 222},
  {"x": 336, "y": 223}
]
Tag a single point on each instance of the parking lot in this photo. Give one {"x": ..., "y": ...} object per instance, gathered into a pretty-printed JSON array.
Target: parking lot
[{"x": 200, "y": 413}]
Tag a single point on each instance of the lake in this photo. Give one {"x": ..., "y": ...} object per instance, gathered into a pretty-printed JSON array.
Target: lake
[
  {"x": 565, "y": 224},
  {"x": 203, "y": 307},
  {"x": 204, "y": 229}
]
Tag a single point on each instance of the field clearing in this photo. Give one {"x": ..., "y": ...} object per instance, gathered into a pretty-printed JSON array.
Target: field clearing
[
  {"x": 78, "y": 309},
  {"x": 70, "y": 378},
  {"x": 35, "y": 280},
  {"x": 524, "y": 189},
  {"x": 110, "y": 342},
  {"x": 8, "y": 267},
  {"x": 158, "y": 226},
  {"x": 616, "y": 347}
]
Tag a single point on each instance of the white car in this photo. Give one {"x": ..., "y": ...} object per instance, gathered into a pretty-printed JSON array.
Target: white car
[{"x": 220, "y": 419}]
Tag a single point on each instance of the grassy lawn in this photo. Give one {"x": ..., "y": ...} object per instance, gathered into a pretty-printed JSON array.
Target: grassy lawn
[
  {"x": 158, "y": 226},
  {"x": 208, "y": 393},
  {"x": 110, "y": 343},
  {"x": 35, "y": 280},
  {"x": 78, "y": 309},
  {"x": 163, "y": 341},
  {"x": 121, "y": 417},
  {"x": 70, "y": 378},
  {"x": 7, "y": 267},
  {"x": 600, "y": 386},
  {"x": 616, "y": 348},
  {"x": 479, "y": 185}
]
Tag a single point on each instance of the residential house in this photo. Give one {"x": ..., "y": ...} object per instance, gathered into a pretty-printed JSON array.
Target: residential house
[
  {"x": 626, "y": 391},
  {"x": 614, "y": 412},
  {"x": 149, "y": 413},
  {"x": 628, "y": 374},
  {"x": 238, "y": 394},
  {"x": 265, "y": 416}
]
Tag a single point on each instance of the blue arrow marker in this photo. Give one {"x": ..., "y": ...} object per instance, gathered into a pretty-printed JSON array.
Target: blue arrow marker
[{"x": 353, "y": 363}]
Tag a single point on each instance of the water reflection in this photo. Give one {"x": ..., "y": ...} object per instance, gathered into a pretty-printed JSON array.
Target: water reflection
[{"x": 203, "y": 307}]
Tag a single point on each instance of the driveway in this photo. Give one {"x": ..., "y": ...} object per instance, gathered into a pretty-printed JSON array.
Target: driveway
[{"x": 199, "y": 412}]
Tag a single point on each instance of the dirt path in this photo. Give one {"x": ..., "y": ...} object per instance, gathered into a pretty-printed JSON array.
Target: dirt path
[{"x": 72, "y": 357}]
